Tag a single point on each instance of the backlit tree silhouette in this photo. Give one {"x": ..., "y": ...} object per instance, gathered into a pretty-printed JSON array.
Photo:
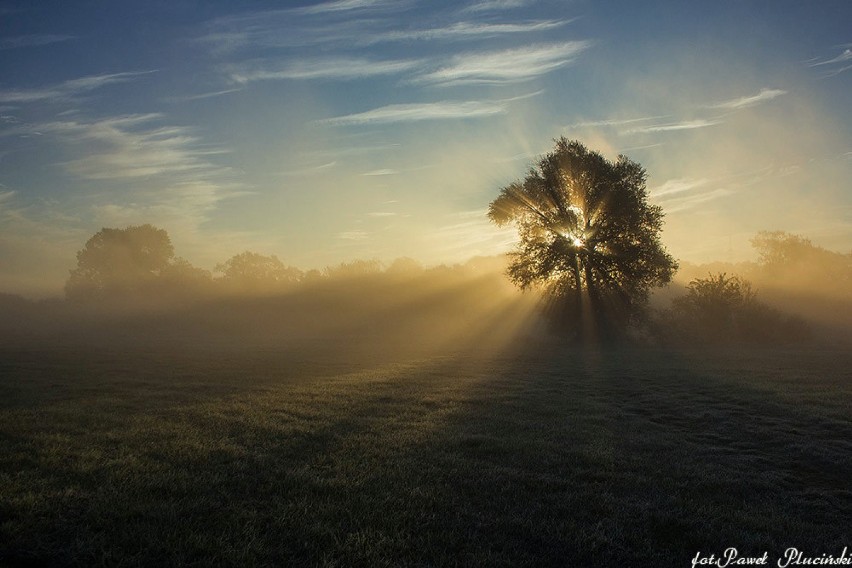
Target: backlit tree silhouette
[{"x": 588, "y": 236}]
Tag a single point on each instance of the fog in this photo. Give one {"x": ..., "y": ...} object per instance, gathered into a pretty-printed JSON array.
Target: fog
[
  {"x": 366, "y": 309},
  {"x": 358, "y": 309}
]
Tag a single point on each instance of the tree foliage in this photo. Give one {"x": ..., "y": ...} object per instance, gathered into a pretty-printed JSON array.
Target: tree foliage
[
  {"x": 354, "y": 269},
  {"x": 587, "y": 235},
  {"x": 722, "y": 309},
  {"x": 119, "y": 262},
  {"x": 792, "y": 259},
  {"x": 253, "y": 272},
  {"x": 715, "y": 303}
]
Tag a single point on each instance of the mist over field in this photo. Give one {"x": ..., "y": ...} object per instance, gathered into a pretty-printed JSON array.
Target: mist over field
[{"x": 405, "y": 307}]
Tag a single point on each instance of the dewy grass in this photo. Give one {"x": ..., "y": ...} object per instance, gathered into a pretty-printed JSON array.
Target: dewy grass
[{"x": 549, "y": 457}]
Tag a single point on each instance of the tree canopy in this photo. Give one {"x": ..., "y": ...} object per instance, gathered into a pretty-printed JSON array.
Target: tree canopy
[
  {"x": 253, "y": 272},
  {"x": 787, "y": 257},
  {"x": 120, "y": 261},
  {"x": 588, "y": 235}
]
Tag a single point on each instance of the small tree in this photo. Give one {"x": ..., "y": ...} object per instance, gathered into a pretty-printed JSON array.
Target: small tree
[
  {"x": 724, "y": 309},
  {"x": 587, "y": 235},
  {"x": 713, "y": 305}
]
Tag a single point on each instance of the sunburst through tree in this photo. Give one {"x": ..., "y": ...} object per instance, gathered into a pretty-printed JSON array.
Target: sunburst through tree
[{"x": 587, "y": 235}]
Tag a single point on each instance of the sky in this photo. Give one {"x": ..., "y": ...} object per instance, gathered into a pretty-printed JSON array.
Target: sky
[{"x": 324, "y": 132}]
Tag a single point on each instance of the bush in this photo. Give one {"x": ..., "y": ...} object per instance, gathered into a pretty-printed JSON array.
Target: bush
[{"x": 724, "y": 310}]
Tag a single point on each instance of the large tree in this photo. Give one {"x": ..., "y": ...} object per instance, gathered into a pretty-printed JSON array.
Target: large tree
[
  {"x": 117, "y": 262},
  {"x": 587, "y": 235}
]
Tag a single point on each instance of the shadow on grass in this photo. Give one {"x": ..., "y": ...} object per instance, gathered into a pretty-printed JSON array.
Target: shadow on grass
[{"x": 544, "y": 457}]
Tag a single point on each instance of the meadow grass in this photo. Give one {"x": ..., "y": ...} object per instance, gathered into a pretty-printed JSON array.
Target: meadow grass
[{"x": 539, "y": 456}]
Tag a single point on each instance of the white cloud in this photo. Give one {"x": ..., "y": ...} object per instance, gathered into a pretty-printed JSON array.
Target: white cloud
[
  {"x": 843, "y": 57},
  {"x": 334, "y": 68},
  {"x": 312, "y": 170},
  {"x": 6, "y": 195},
  {"x": 506, "y": 66},
  {"x": 471, "y": 233},
  {"x": 685, "y": 125},
  {"x": 838, "y": 71},
  {"x": 382, "y": 172},
  {"x": 201, "y": 96},
  {"x": 128, "y": 147},
  {"x": 688, "y": 202},
  {"x": 353, "y": 235},
  {"x": 676, "y": 186},
  {"x": 835, "y": 65},
  {"x": 613, "y": 122},
  {"x": 343, "y": 6},
  {"x": 67, "y": 89},
  {"x": 492, "y": 5},
  {"x": 465, "y": 30},
  {"x": 33, "y": 40},
  {"x": 422, "y": 111},
  {"x": 743, "y": 102}
]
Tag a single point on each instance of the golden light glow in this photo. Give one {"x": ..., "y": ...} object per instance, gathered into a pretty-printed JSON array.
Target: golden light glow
[{"x": 576, "y": 240}]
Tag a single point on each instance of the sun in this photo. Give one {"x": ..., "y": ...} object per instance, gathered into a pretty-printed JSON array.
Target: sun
[{"x": 577, "y": 241}]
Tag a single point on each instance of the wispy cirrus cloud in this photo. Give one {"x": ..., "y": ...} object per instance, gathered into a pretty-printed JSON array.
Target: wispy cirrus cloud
[
  {"x": 341, "y": 23},
  {"x": 343, "y": 68},
  {"x": 381, "y": 172},
  {"x": 471, "y": 233},
  {"x": 845, "y": 56},
  {"x": 682, "y": 203},
  {"x": 682, "y": 194},
  {"x": 281, "y": 29},
  {"x": 507, "y": 66},
  {"x": 613, "y": 122},
  {"x": 344, "y": 6},
  {"x": 6, "y": 194},
  {"x": 421, "y": 111},
  {"x": 33, "y": 40},
  {"x": 677, "y": 186},
  {"x": 465, "y": 30},
  {"x": 201, "y": 96},
  {"x": 835, "y": 65},
  {"x": 311, "y": 170},
  {"x": 132, "y": 147},
  {"x": 156, "y": 170},
  {"x": 496, "y": 5},
  {"x": 672, "y": 126},
  {"x": 743, "y": 102},
  {"x": 353, "y": 235},
  {"x": 67, "y": 89}
]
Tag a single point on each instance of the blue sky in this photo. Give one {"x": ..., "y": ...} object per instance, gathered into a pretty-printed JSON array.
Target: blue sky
[{"x": 329, "y": 131}]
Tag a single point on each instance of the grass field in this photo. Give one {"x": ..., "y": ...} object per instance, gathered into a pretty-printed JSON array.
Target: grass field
[{"x": 539, "y": 456}]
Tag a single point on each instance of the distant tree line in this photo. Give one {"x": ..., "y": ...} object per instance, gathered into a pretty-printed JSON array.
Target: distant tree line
[
  {"x": 137, "y": 266},
  {"x": 139, "y": 262}
]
